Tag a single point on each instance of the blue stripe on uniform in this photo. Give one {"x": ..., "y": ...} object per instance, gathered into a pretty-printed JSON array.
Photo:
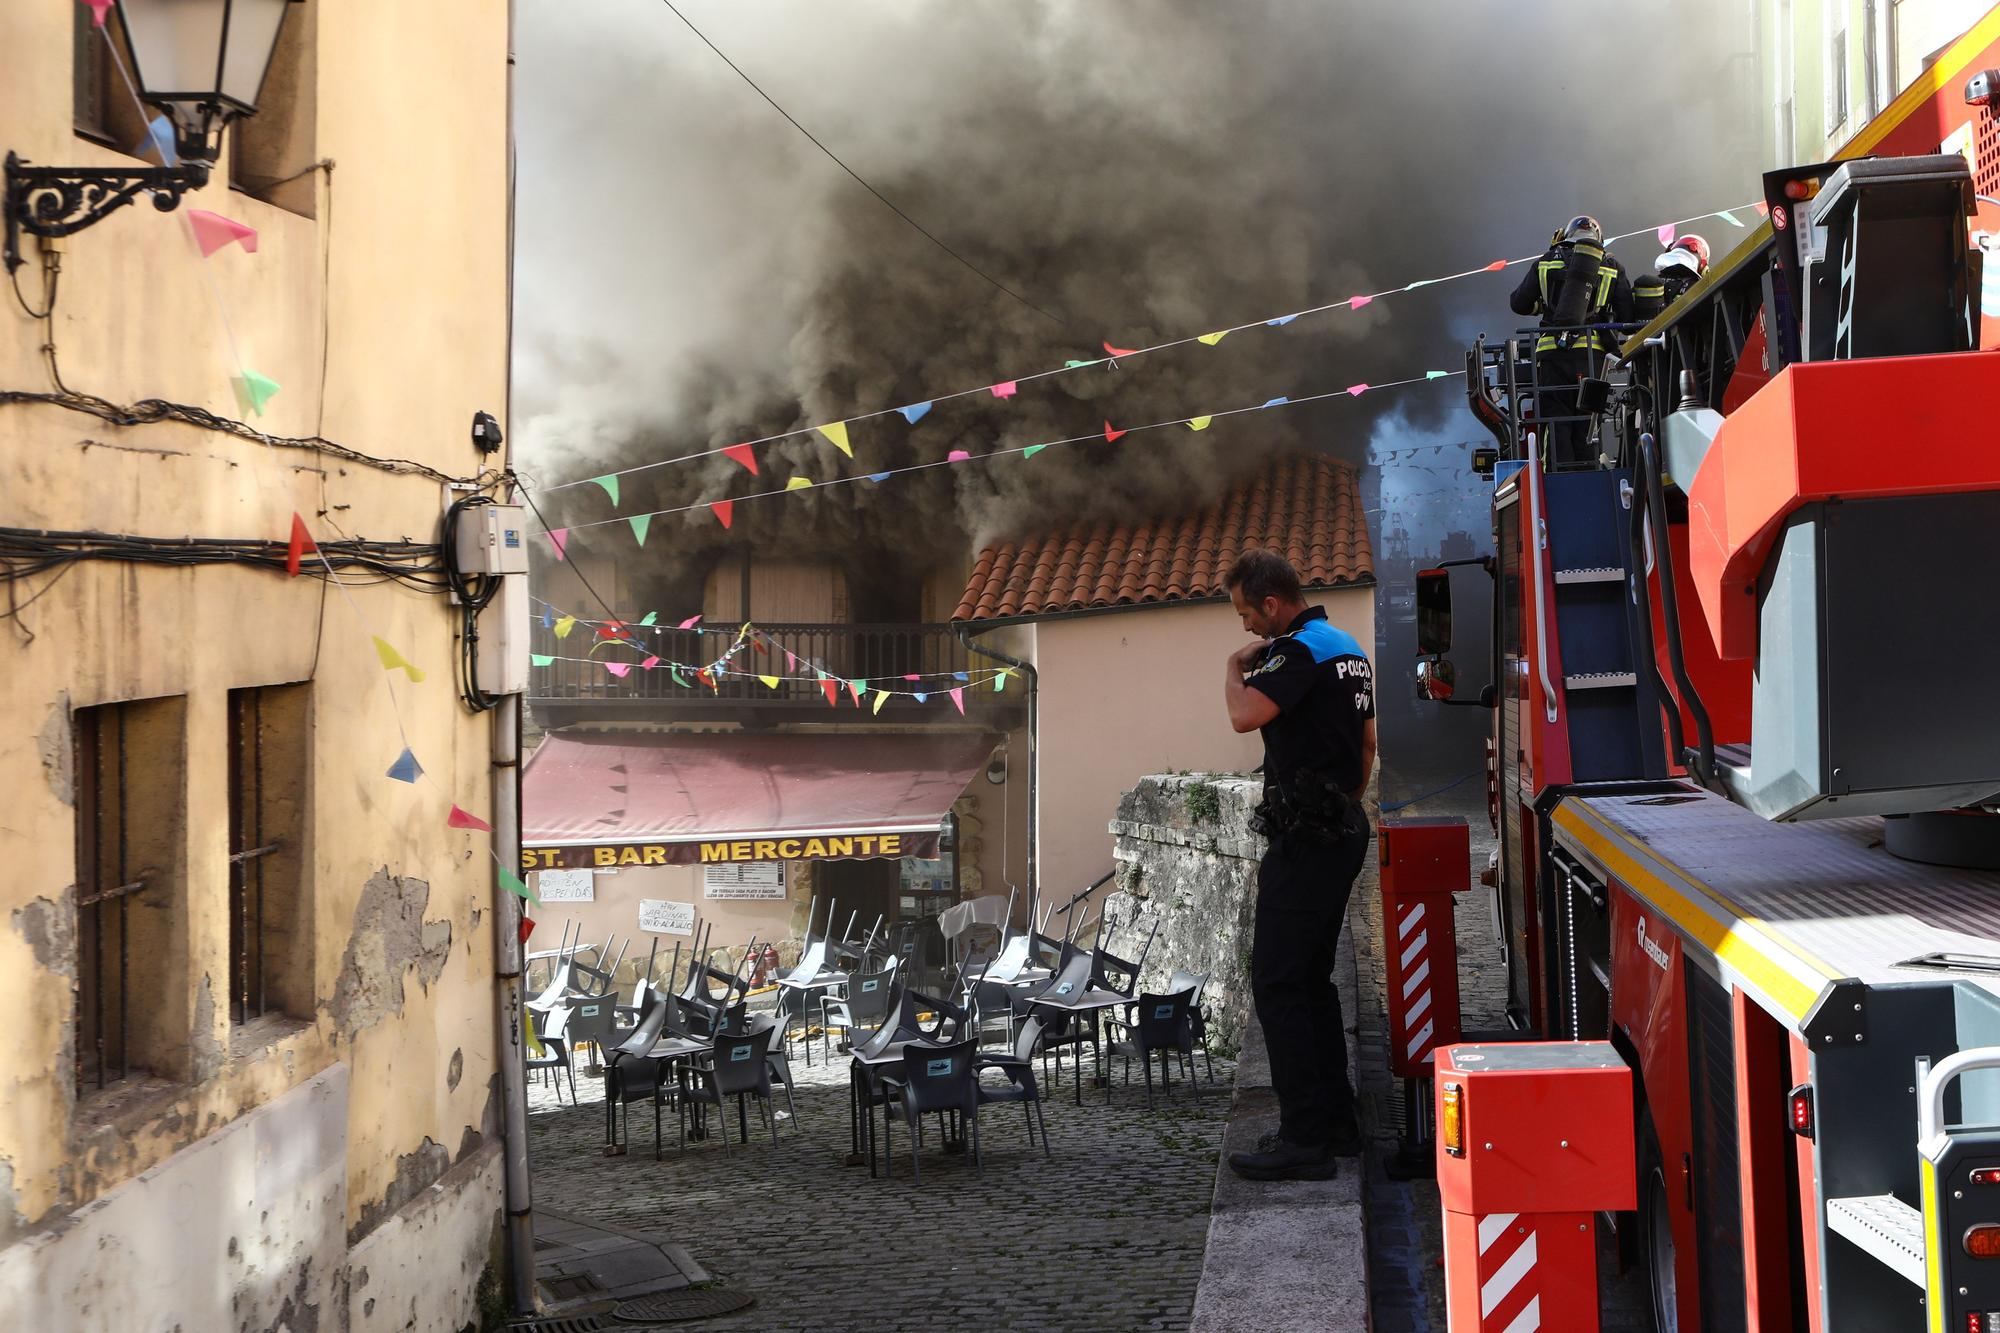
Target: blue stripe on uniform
[{"x": 1325, "y": 640}]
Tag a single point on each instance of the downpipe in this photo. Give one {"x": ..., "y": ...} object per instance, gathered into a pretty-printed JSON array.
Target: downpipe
[
  {"x": 1027, "y": 670},
  {"x": 511, "y": 1013}
]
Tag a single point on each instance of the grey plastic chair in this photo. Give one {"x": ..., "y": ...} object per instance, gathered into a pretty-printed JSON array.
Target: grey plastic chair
[
  {"x": 933, "y": 1080},
  {"x": 736, "y": 1066},
  {"x": 1019, "y": 1067},
  {"x": 1159, "y": 1023},
  {"x": 1182, "y": 979}
]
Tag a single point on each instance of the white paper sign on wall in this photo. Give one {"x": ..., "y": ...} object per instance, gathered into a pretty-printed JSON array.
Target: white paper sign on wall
[
  {"x": 744, "y": 879},
  {"x": 666, "y": 918},
  {"x": 565, "y": 886}
]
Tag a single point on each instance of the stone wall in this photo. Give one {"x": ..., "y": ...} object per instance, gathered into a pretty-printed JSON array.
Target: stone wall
[{"x": 1186, "y": 858}]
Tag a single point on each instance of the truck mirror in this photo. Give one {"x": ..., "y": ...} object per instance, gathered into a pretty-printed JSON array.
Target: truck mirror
[
  {"x": 1436, "y": 679},
  {"x": 1433, "y": 613}
]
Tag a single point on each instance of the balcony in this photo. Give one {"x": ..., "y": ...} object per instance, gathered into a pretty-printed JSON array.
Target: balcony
[{"x": 570, "y": 689}]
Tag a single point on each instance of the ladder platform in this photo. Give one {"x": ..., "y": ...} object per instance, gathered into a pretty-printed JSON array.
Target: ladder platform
[{"x": 1884, "y": 1226}]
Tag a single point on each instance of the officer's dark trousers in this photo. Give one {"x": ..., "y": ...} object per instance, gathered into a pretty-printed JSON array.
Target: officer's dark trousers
[
  {"x": 1302, "y": 890},
  {"x": 1566, "y": 444}
]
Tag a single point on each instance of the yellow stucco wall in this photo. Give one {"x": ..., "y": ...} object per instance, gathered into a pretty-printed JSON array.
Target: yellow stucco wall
[{"x": 404, "y": 274}]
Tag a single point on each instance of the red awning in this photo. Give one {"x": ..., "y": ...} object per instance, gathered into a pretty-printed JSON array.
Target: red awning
[{"x": 604, "y": 788}]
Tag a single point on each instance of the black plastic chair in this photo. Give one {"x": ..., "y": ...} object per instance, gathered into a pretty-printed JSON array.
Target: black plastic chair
[
  {"x": 1182, "y": 979},
  {"x": 1019, "y": 1067},
  {"x": 631, "y": 1073},
  {"x": 551, "y": 1030},
  {"x": 936, "y": 1080},
  {"x": 736, "y": 1066},
  {"x": 865, "y": 1007},
  {"x": 1157, "y": 1023},
  {"x": 776, "y": 1059}
]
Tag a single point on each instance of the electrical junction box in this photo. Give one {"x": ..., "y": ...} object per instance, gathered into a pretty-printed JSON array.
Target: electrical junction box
[
  {"x": 500, "y": 662},
  {"x": 492, "y": 539}
]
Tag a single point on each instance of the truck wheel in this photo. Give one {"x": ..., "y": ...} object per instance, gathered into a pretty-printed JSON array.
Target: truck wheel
[{"x": 1656, "y": 1230}]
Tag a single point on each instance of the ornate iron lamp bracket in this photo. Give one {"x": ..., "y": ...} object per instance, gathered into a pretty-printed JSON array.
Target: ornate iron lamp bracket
[{"x": 57, "y": 201}]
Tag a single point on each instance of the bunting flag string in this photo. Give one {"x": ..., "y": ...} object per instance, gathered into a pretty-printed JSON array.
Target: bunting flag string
[
  {"x": 837, "y": 432},
  {"x": 1109, "y": 433}
]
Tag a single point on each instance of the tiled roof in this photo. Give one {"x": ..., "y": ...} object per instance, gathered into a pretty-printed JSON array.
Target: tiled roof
[{"x": 1306, "y": 508}]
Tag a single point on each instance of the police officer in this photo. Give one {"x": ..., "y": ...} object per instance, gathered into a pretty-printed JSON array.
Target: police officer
[
  {"x": 1577, "y": 282},
  {"x": 1308, "y": 687}
]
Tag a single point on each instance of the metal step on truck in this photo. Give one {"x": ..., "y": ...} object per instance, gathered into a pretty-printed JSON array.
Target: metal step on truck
[{"x": 1745, "y": 775}]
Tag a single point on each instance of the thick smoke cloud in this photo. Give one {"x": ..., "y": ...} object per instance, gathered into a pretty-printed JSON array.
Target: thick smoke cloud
[{"x": 693, "y": 273}]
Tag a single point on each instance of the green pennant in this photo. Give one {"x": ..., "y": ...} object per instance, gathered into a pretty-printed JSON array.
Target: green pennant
[
  {"x": 1000, "y": 682},
  {"x": 610, "y": 485},
  {"x": 253, "y": 391},
  {"x": 679, "y": 679},
  {"x": 649, "y": 617},
  {"x": 1032, "y": 450},
  {"x": 514, "y": 885},
  {"x": 640, "y": 522},
  {"x": 542, "y": 659}
]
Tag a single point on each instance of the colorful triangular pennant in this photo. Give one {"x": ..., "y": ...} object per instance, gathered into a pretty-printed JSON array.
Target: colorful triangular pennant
[
  {"x": 301, "y": 543},
  {"x": 392, "y": 660},
  {"x": 253, "y": 391},
  {"x": 460, "y": 819},
  {"x": 1212, "y": 338},
  {"x": 1110, "y": 434},
  {"x": 915, "y": 412},
  {"x": 559, "y": 538},
  {"x": 742, "y": 454},
  {"x": 1199, "y": 423},
  {"x": 609, "y": 482},
  {"x": 724, "y": 511},
  {"x": 1006, "y": 389},
  {"x": 406, "y": 768},
  {"x": 958, "y": 698},
  {"x": 798, "y": 484},
  {"x": 564, "y": 626},
  {"x": 212, "y": 231},
  {"x": 837, "y": 433}
]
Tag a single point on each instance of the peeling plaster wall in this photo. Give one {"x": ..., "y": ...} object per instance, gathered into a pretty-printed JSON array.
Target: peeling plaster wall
[
  {"x": 421, "y": 1269},
  {"x": 398, "y": 289}
]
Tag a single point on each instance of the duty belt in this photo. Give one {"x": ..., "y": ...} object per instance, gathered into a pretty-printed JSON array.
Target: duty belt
[{"x": 1306, "y": 804}]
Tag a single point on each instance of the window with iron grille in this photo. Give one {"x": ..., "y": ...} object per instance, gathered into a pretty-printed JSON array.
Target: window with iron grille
[
  {"x": 270, "y": 928},
  {"x": 130, "y": 1017}
]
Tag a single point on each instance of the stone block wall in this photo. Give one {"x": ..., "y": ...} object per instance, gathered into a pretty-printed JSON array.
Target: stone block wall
[{"x": 1187, "y": 860}]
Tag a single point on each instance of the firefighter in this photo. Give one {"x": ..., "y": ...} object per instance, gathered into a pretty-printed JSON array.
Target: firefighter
[
  {"x": 1681, "y": 265},
  {"x": 1308, "y": 687},
  {"x": 1577, "y": 282}
]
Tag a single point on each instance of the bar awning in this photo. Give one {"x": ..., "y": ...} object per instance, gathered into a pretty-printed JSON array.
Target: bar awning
[{"x": 619, "y": 798}]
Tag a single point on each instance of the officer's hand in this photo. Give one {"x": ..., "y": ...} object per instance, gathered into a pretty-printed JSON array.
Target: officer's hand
[{"x": 1243, "y": 658}]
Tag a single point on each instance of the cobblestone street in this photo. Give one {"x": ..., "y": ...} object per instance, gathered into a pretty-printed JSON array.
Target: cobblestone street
[{"x": 1106, "y": 1235}]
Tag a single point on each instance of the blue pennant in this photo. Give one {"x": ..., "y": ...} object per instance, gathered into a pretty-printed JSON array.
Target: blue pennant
[
  {"x": 406, "y": 768},
  {"x": 915, "y": 412}
]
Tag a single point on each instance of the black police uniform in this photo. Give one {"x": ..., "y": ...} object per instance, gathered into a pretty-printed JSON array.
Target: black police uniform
[
  {"x": 1318, "y": 838},
  {"x": 1564, "y": 359}
]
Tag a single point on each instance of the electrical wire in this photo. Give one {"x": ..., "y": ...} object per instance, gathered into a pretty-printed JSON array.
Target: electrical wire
[
  {"x": 922, "y": 230},
  {"x": 27, "y": 552}
]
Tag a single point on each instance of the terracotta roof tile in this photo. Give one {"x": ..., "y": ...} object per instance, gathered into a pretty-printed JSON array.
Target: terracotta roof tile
[{"x": 1307, "y": 507}]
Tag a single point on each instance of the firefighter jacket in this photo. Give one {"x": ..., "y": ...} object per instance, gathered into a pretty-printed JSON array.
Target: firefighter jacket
[{"x": 1607, "y": 298}]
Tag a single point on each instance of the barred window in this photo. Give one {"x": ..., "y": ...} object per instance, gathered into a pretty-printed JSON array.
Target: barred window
[{"x": 270, "y": 926}]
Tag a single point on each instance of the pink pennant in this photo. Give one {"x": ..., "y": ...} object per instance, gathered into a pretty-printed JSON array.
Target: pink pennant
[
  {"x": 724, "y": 511},
  {"x": 1110, "y": 434},
  {"x": 649, "y": 664},
  {"x": 1763, "y": 209},
  {"x": 1666, "y": 234},
  {"x": 1120, "y": 351},
  {"x": 743, "y": 454},
  {"x": 1356, "y": 302},
  {"x": 791, "y": 660},
  {"x": 98, "y": 9},
  {"x": 1007, "y": 390},
  {"x": 957, "y": 456},
  {"x": 690, "y": 622},
  {"x": 618, "y": 669},
  {"x": 913, "y": 678},
  {"x": 559, "y": 536},
  {"x": 212, "y": 231},
  {"x": 958, "y": 697},
  {"x": 1495, "y": 266},
  {"x": 460, "y": 819},
  {"x": 1356, "y": 390}
]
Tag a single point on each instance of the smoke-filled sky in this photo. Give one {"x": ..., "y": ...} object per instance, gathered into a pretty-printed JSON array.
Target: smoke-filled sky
[{"x": 692, "y": 272}]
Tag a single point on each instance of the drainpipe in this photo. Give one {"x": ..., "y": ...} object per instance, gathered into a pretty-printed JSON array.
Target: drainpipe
[
  {"x": 510, "y": 1012},
  {"x": 1027, "y": 669}
]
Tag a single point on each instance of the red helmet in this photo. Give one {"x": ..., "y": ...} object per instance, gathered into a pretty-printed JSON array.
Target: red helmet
[{"x": 1695, "y": 246}]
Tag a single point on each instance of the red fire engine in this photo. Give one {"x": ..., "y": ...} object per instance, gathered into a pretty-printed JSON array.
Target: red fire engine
[{"x": 1746, "y": 777}]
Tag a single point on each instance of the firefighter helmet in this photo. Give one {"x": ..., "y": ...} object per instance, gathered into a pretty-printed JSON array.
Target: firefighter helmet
[
  {"x": 1695, "y": 246},
  {"x": 1582, "y": 227},
  {"x": 1678, "y": 260}
]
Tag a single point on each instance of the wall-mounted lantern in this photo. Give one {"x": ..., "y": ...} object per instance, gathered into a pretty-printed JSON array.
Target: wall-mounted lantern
[{"x": 202, "y": 62}]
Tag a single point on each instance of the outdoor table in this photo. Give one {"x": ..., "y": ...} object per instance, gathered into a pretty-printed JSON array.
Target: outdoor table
[{"x": 1092, "y": 1002}]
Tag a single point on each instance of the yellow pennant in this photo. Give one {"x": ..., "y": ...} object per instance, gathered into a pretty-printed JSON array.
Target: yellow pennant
[
  {"x": 881, "y": 697},
  {"x": 1199, "y": 423},
  {"x": 837, "y": 433},
  {"x": 1213, "y": 338},
  {"x": 798, "y": 484},
  {"x": 391, "y": 660},
  {"x": 770, "y": 682},
  {"x": 564, "y": 626}
]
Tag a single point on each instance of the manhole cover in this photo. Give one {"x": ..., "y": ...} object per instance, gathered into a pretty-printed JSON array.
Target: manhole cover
[
  {"x": 675, "y": 1307},
  {"x": 574, "y": 1323}
]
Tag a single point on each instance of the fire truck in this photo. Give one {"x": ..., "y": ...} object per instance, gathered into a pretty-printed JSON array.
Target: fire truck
[{"x": 1745, "y": 772}]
